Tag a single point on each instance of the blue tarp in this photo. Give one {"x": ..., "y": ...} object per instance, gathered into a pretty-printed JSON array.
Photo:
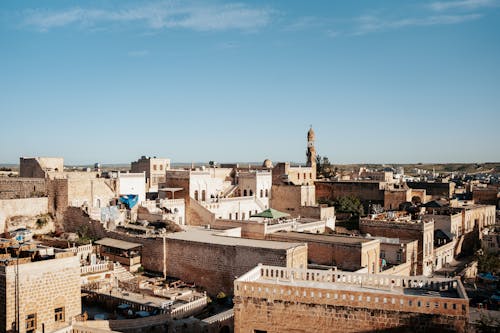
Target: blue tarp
[
  {"x": 488, "y": 276},
  {"x": 130, "y": 200}
]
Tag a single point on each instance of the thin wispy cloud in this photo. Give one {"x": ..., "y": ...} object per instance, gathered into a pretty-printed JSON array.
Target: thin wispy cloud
[
  {"x": 305, "y": 23},
  {"x": 161, "y": 15},
  {"x": 462, "y": 5},
  {"x": 369, "y": 24}
]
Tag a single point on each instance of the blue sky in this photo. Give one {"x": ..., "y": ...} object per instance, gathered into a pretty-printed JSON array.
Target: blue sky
[{"x": 380, "y": 81}]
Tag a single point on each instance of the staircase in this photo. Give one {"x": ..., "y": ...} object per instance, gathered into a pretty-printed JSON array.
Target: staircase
[
  {"x": 229, "y": 191},
  {"x": 121, "y": 273},
  {"x": 260, "y": 204}
]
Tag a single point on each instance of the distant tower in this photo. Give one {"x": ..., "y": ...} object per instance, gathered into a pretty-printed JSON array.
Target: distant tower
[{"x": 311, "y": 151}]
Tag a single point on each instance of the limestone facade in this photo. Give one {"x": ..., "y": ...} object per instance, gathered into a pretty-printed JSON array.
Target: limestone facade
[
  {"x": 40, "y": 167},
  {"x": 291, "y": 198},
  {"x": 154, "y": 168},
  {"x": 276, "y": 299},
  {"x": 49, "y": 293},
  {"x": 402, "y": 226},
  {"x": 19, "y": 188},
  {"x": 345, "y": 253},
  {"x": 283, "y": 172}
]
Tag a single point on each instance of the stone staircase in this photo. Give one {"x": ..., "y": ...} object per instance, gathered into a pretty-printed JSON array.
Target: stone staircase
[
  {"x": 229, "y": 191},
  {"x": 121, "y": 273}
]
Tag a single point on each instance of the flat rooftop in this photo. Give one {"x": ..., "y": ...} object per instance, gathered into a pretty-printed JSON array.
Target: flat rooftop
[
  {"x": 304, "y": 236},
  {"x": 12, "y": 252},
  {"x": 202, "y": 235},
  {"x": 118, "y": 244},
  {"x": 333, "y": 280}
]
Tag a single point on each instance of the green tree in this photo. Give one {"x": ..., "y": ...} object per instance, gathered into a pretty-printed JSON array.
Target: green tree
[{"x": 349, "y": 204}]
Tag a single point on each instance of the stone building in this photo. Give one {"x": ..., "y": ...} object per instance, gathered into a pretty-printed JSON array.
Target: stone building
[
  {"x": 399, "y": 225},
  {"x": 489, "y": 195},
  {"x": 154, "y": 168},
  {"x": 344, "y": 252},
  {"x": 284, "y": 173},
  {"x": 277, "y": 299},
  {"x": 47, "y": 282},
  {"x": 213, "y": 261},
  {"x": 255, "y": 183},
  {"x": 132, "y": 183},
  {"x": 40, "y": 167},
  {"x": 398, "y": 256},
  {"x": 292, "y": 198},
  {"x": 491, "y": 240},
  {"x": 368, "y": 192},
  {"x": 435, "y": 190}
]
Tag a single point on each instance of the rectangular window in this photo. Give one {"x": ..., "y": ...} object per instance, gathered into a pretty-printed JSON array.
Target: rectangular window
[
  {"x": 398, "y": 257},
  {"x": 382, "y": 254},
  {"x": 59, "y": 314},
  {"x": 31, "y": 323}
]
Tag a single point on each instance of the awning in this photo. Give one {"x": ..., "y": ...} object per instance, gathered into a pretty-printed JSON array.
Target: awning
[
  {"x": 271, "y": 214},
  {"x": 117, "y": 244}
]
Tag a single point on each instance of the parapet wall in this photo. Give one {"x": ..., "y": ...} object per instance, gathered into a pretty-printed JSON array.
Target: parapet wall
[
  {"x": 16, "y": 188},
  {"x": 273, "y": 299},
  {"x": 214, "y": 266}
]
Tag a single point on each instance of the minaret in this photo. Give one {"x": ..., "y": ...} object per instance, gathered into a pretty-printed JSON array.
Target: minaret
[{"x": 311, "y": 151}]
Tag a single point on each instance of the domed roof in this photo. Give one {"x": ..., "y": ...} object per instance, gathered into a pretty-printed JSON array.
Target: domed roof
[
  {"x": 310, "y": 134},
  {"x": 267, "y": 163}
]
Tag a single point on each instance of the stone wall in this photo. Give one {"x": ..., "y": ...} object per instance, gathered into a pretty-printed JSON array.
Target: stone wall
[
  {"x": 274, "y": 316},
  {"x": 324, "y": 251},
  {"x": 44, "y": 286},
  {"x": 39, "y": 166},
  {"x": 277, "y": 302},
  {"x": 393, "y": 198},
  {"x": 215, "y": 266},
  {"x": 28, "y": 208},
  {"x": 16, "y": 188},
  {"x": 286, "y": 198},
  {"x": 249, "y": 229},
  {"x": 435, "y": 190},
  {"x": 486, "y": 196},
  {"x": 365, "y": 191},
  {"x": 423, "y": 232}
]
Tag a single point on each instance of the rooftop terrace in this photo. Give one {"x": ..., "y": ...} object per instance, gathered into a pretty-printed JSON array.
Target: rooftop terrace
[
  {"x": 202, "y": 235},
  {"x": 340, "y": 280}
]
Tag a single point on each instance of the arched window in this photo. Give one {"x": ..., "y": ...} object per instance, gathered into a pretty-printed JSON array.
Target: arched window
[
  {"x": 230, "y": 216},
  {"x": 305, "y": 175},
  {"x": 245, "y": 193},
  {"x": 267, "y": 192},
  {"x": 250, "y": 192},
  {"x": 98, "y": 203},
  {"x": 261, "y": 193},
  {"x": 196, "y": 195},
  {"x": 203, "y": 195},
  {"x": 298, "y": 175}
]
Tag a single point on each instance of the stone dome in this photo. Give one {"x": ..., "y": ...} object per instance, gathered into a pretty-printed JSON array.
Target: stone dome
[{"x": 267, "y": 164}]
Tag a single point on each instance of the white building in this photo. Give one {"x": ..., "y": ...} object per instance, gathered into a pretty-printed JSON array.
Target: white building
[{"x": 132, "y": 183}]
